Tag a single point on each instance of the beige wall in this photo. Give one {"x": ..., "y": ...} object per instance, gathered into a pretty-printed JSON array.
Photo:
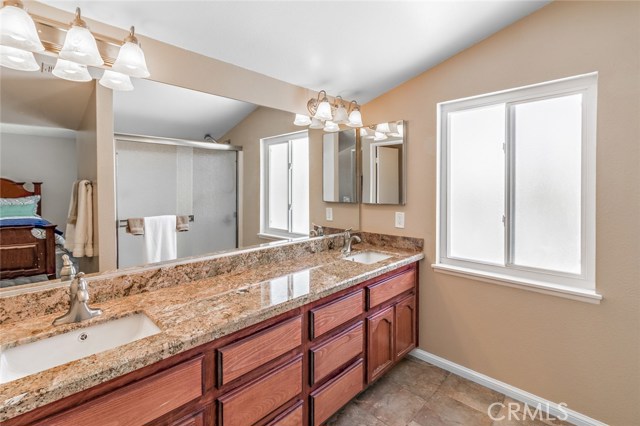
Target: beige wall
[{"x": 566, "y": 351}]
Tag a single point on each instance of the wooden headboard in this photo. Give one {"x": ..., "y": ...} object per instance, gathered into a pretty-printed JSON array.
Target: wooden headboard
[{"x": 11, "y": 189}]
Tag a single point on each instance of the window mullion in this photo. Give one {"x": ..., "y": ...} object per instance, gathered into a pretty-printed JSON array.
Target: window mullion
[
  {"x": 509, "y": 187},
  {"x": 289, "y": 187}
]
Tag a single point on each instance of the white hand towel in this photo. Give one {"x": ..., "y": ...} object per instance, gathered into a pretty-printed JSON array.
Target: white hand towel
[{"x": 160, "y": 242}]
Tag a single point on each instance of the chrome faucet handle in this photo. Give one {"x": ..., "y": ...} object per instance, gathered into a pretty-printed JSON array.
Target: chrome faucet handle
[{"x": 79, "y": 310}]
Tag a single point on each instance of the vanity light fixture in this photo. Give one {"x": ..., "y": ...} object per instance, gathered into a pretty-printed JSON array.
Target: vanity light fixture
[
  {"x": 80, "y": 45},
  {"x": 327, "y": 116},
  {"x": 116, "y": 81},
  {"x": 330, "y": 126},
  {"x": 17, "y": 59},
  {"x": 302, "y": 120},
  {"x": 72, "y": 71},
  {"x": 17, "y": 29},
  {"x": 131, "y": 59},
  {"x": 20, "y": 36}
]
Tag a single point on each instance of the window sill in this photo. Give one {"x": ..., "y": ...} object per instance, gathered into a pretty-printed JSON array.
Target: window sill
[
  {"x": 274, "y": 237},
  {"x": 581, "y": 295}
]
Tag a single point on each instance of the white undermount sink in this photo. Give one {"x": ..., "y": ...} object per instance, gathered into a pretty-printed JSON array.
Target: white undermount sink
[
  {"x": 30, "y": 358},
  {"x": 367, "y": 257}
]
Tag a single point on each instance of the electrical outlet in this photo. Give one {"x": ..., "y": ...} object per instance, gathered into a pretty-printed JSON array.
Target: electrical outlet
[
  {"x": 329, "y": 213},
  {"x": 399, "y": 219}
]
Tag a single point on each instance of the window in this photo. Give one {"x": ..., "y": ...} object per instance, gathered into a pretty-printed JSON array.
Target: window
[
  {"x": 285, "y": 185},
  {"x": 517, "y": 185}
]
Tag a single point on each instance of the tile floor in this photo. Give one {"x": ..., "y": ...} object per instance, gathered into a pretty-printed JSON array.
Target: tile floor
[{"x": 415, "y": 393}]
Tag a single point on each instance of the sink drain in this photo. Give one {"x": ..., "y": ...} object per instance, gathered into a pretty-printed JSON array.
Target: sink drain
[{"x": 83, "y": 337}]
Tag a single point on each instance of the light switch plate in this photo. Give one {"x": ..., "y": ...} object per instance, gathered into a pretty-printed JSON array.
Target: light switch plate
[
  {"x": 399, "y": 219},
  {"x": 329, "y": 213}
]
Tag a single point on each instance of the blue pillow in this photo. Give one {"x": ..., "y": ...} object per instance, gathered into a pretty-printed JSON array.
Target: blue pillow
[{"x": 19, "y": 207}]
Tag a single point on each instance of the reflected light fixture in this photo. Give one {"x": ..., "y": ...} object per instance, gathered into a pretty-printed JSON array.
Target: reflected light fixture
[
  {"x": 80, "y": 45},
  {"x": 17, "y": 59},
  {"x": 131, "y": 60},
  {"x": 330, "y": 126},
  {"x": 17, "y": 29},
  {"x": 383, "y": 128},
  {"x": 316, "y": 124},
  {"x": 116, "y": 81},
  {"x": 379, "y": 136},
  {"x": 72, "y": 71},
  {"x": 327, "y": 116},
  {"x": 302, "y": 120}
]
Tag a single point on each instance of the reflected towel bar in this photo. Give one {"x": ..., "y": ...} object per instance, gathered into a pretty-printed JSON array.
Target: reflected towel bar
[{"x": 123, "y": 223}]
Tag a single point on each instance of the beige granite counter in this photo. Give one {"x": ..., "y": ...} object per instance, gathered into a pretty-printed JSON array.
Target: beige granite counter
[{"x": 191, "y": 314}]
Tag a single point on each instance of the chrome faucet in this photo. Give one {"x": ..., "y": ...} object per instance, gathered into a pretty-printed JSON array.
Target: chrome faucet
[
  {"x": 79, "y": 310},
  {"x": 348, "y": 241},
  {"x": 317, "y": 231}
]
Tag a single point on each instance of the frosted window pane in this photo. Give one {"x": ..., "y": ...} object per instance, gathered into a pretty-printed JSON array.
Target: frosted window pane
[
  {"x": 300, "y": 186},
  {"x": 278, "y": 191},
  {"x": 548, "y": 183},
  {"x": 476, "y": 184}
]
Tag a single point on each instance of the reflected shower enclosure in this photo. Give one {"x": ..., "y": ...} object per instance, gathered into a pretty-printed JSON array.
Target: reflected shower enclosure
[{"x": 157, "y": 176}]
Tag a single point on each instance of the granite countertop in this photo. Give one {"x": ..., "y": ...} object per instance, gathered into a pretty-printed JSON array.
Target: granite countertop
[{"x": 188, "y": 315}]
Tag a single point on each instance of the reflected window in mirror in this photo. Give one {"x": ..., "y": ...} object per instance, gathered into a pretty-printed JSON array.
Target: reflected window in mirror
[
  {"x": 339, "y": 167},
  {"x": 384, "y": 154},
  {"x": 285, "y": 186}
]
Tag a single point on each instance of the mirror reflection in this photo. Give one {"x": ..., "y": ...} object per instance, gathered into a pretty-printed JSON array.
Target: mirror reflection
[
  {"x": 384, "y": 163},
  {"x": 213, "y": 173},
  {"x": 339, "y": 167}
]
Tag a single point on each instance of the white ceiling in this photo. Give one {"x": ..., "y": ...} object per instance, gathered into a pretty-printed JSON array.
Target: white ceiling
[
  {"x": 357, "y": 49},
  {"x": 157, "y": 109}
]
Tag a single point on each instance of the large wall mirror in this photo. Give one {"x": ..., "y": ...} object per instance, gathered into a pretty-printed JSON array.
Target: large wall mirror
[
  {"x": 178, "y": 152},
  {"x": 384, "y": 159}
]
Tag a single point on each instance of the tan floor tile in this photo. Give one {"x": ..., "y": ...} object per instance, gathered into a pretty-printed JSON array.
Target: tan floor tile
[
  {"x": 442, "y": 410},
  {"x": 470, "y": 393},
  {"x": 418, "y": 377},
  {"x": 353, "y": 415},
  {"x": 390, "y": 403}
]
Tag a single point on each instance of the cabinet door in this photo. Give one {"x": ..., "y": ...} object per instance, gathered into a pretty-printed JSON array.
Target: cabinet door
[
  {"x": 405, "y": 326},
  {"x": 196, "y": 419},
  {"x": 380, "y": 351}
]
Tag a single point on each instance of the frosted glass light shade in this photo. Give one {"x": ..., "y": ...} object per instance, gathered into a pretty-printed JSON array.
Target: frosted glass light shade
[
  {"x": 116, "y": 81},
  {"x": 80, "y": 47},
  {"x": 18, "y": 30},
  {"x": 324, "y": 111},
  {"x": 366, "y": 133},
  {"x": 316, "y": 124},
  {"x": 383, "y": 128},
  {"x": 379, "y": 136},
  {"x": 71, "y": 71},
  {"x": 341, "y": 116},
  {"x": 17, "y": 59},
  {"x": 355, "y": 119},
  {"x": 131, "y": 61},
  {"x": 302, "y": 120},
  {"x": 331, "y": 127},
  {"x": 395, "y": 130}
]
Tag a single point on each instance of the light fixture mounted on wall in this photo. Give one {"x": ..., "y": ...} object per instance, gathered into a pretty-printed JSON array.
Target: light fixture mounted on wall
[
  {"x": 328, "y": 116},
  {"x": 19, "y": 39}
]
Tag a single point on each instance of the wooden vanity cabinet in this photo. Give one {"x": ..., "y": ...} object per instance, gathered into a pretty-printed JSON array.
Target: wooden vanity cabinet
[{"x": 298, "y": 368}]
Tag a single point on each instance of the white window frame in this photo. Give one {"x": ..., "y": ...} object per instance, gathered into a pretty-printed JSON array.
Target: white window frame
[
  {"x": 266, "y": 231},
  {"x": 576, "y": 286}
]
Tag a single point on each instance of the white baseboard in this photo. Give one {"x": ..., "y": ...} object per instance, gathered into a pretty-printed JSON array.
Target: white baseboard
[{"x": 518, "y": 394}]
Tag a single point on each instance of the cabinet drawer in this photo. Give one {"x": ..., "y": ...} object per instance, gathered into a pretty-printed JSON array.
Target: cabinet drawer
[
  {"x": 388, "y": 289},
  {"x": 336, "y": 352},
  {"x": 292, "y": 417},
  {"x": 256, "y": 400},
  {"x": 240, "y": 357},
  {"x": 331, "y": 397},
  {"x": 140, "y": 402},
  {"x": 331, "y": 315},
  {"x": 191, "y": 420}
]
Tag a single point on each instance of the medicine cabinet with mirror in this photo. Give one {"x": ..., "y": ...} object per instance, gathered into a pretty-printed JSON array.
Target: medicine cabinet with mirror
[
  {"x": 367, "y": 165},
  {"x": 173, "y": 151}
]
